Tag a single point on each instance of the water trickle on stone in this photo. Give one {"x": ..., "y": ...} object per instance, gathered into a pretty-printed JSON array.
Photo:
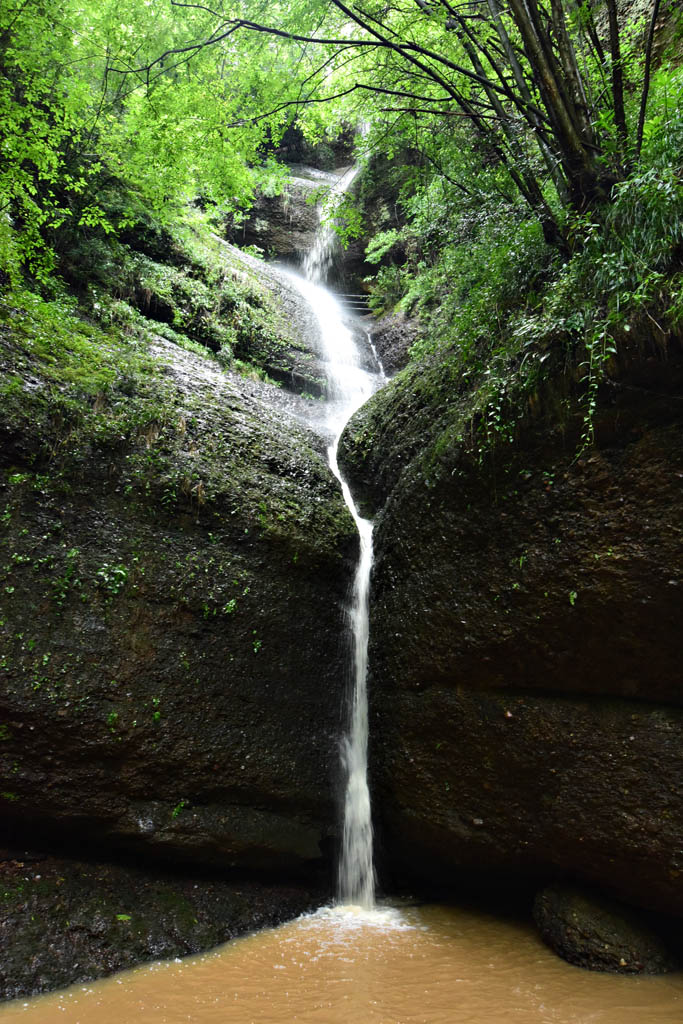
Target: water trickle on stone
[{"x": 349, "y": 386}]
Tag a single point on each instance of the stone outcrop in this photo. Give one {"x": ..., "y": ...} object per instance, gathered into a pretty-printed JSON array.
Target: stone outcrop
[
  {"x": 392, "y": 337},
  {"x": 599, "y": 934},
  {"x": 67, "y": 921},
  {"x": 525, "y": 646},
  {"x": 272, "y": 328},
  {"x": 283, "y": 226},
  {"x": 289, "y": 354},
  {"x": 171, "y": 609}
]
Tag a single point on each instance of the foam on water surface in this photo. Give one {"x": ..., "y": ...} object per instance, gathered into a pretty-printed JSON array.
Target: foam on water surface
[{"x": 354, "y": 965}]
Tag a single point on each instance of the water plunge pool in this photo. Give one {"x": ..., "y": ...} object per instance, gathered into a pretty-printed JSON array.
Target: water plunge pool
[{"x": 432, "y": 965}]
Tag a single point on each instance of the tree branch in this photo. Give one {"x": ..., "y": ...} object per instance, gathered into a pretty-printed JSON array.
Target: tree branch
[
  {"x": 359, "y": 86},
  {"x": 646, "y": 77}
]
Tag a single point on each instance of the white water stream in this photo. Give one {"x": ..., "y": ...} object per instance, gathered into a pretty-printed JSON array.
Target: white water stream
[
  {"x": 349, "y": 386},
  {"x": 318, "y": 262}
]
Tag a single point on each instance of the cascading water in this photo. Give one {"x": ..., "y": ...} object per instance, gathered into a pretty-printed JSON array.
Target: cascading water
[
  {"x": 319, "y": 260},
  {"x": 349, "y": 386}
]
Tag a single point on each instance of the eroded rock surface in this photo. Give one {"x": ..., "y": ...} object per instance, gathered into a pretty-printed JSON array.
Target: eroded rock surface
[
  {"x": 283, "y": 226},
  {"x": 288, "y": 349},
  {"x": 525, "y": 644},
  {"x": 69, "y": 921},
  {"x": 393, "y": 335},
  {"x": 174, "y": 570}
]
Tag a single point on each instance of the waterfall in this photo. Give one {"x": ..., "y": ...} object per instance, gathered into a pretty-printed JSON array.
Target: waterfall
[
  {"x": 349, "y": 386},
  {"x": 318, "y": 261}
]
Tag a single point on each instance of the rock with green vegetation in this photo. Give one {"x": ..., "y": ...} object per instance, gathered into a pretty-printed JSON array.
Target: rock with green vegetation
[
  {"x": 201, "y": 291},
  {"x": 281, "y": 225},
  {"x": 525, "y": 625},
  {"x": 602, "y": 935},
  {"x": 174, "y": 560},
  {"x": 69, "y": 921},
  {"x": 273, "y": 331}
]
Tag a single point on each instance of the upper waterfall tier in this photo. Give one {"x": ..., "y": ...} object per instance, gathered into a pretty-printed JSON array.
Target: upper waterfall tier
[{"x": 318, "y": 261}]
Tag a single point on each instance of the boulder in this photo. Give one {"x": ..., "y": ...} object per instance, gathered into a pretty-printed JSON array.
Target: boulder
[{"x": 602, "y": 935}]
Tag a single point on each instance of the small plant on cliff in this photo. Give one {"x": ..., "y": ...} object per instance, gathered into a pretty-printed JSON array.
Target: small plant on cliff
[
  {"x": 61, "y": 585},
  {"x": 112, "y": 578},
  {"x": 179, "y": 808}
]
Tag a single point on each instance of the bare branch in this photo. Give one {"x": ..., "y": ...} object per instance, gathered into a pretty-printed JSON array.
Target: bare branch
[
  {"x": 307, "y": 101},
  {"x": 441, "y": 113},
  {"x": 198, "y": 7}
]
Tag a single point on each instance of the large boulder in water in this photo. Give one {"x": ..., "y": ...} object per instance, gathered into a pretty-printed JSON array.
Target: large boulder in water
[
  {"x": 525, "y": 633},
  {"x": 175, "y": 562},
  {"x": 599, "y": 934}
]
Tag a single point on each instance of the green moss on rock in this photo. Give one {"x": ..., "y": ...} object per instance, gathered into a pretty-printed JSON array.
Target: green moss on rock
[{"x": 174, "y": 558}]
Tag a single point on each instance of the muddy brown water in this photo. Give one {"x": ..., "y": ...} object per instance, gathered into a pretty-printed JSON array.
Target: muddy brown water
[{"x": 432, "y": 965}]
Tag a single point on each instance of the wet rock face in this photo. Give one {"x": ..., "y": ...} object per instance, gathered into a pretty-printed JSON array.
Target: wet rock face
[
  {"x": 282, "y": 226},
  {"x": 599, "y": 934},
  {"x": 525, "y": 645},
  {"x": 393, "y": 336},
  {"x": 65, "y": 922},
  {"x": 531, "y": 784},
  {"x": 171, "y": 619},
  {"x": 287, "y": 350}
]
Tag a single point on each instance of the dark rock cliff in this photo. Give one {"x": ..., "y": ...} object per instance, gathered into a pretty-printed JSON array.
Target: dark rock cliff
[
  {"x": 171, "y": 617},
  {"x": 283, "y": 226},
  {"x": 525, "y": 634},
  {"x": 174, "y": 562},
  {"x": 175, "y": 557}
]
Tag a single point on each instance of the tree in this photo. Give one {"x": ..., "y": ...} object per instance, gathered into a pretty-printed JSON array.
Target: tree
[
  {"x": 161, "y": 102},
  {"x": 84, "y": 151},
  {"x": 544, "y": 86}
]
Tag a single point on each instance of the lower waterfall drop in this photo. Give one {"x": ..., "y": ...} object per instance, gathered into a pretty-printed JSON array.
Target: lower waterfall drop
[
  {"x": 349, "y": 387},
  {"x": 356, "y": 871}
]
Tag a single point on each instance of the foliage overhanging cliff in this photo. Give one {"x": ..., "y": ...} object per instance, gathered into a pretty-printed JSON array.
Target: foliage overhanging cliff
[{"x": 531, "y": 206}]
